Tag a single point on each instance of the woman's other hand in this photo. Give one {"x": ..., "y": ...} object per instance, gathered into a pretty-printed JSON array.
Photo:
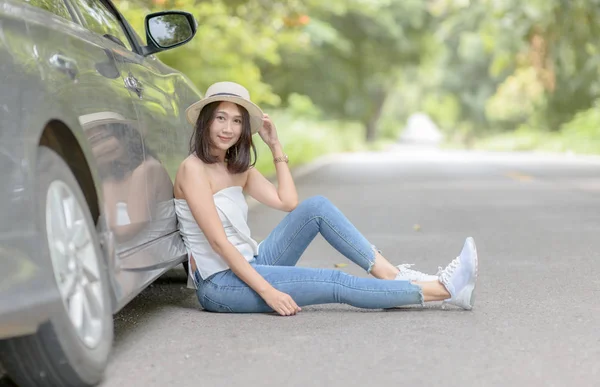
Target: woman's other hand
[
  {"x": 268, "y": 132},
  {"x": 281, "y": 303}
]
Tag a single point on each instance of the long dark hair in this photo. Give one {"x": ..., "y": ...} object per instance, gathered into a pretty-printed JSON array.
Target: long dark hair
[
  {"x": 135, "y": 151},
  {"x": 238, "y": 157}
]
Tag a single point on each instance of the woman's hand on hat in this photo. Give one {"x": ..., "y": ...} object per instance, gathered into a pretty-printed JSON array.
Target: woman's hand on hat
[{"x": 268, "y": 132}]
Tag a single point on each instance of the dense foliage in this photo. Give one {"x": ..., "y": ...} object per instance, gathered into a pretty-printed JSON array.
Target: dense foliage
[{"x": 475, "y": 66}]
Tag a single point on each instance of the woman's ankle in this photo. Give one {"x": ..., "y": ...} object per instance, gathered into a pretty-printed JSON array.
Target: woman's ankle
[
  {"x": 383, "y": 269},
  {"x": 433, "y": 291}
]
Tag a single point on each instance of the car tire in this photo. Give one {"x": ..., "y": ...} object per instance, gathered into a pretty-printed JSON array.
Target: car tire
[{"x": 61, "y": 352}]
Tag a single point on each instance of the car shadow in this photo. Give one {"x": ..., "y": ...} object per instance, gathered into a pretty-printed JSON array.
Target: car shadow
[
  {"x": 168, "y": 291},
  {"x": 6, "y": 382}
]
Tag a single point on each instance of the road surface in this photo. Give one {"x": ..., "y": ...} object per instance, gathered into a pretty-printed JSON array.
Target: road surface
[{"x": 536, "y": 321}]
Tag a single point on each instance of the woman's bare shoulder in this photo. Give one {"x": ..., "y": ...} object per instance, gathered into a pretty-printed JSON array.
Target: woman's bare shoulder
[
  {"x": 190, "y": 163},
  {"x": 190, "y": 166}
]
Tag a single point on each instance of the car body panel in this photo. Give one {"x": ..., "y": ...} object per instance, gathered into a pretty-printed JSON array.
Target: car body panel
[
  {"x": 161, "y": 115},
  {"x": 27, "y": 293},
  {"x": 34, "y": 93}
]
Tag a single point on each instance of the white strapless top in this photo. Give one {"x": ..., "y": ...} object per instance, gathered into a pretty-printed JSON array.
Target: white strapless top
[{"x": 233, "y": 210}]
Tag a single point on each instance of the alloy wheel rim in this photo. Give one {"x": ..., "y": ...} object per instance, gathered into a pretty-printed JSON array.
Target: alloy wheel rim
[{"x": 75, "y": 262}]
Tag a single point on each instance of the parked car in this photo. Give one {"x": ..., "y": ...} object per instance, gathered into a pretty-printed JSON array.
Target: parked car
[{"x": 92, "y": 129}]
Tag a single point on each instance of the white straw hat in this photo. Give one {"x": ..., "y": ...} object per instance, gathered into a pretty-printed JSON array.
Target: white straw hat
[{"x": 231, "y": 92}]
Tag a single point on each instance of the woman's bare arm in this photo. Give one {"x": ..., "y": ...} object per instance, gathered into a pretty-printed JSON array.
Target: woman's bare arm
[{"x": 283, "y": 197}]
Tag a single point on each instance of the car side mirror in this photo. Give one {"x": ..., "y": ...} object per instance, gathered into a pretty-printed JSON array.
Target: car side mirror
[{"x": 168, "y": 29}]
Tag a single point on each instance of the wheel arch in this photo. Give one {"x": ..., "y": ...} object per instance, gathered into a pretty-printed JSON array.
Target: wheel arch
[{"x": 58, "y": 137}]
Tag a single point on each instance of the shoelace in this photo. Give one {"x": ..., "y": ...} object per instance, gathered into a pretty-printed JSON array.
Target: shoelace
[
  {"x": 447, "y": 272},
  {"x": 444, "y": 275},
  {"x": 404, "y": 268}
]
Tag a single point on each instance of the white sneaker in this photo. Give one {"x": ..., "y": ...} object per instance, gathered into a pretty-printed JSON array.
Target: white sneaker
[
  {"x": 407, "y": 274},
  {"x": 460, "y": 275}
]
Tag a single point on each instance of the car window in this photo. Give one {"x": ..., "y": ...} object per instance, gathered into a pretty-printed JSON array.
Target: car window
[
  {"x": 102, "y": 21},
  {"x": 56, "y": 7}
]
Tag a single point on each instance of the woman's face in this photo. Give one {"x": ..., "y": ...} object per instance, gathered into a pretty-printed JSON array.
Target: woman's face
[{"x": 226, "y": 126}]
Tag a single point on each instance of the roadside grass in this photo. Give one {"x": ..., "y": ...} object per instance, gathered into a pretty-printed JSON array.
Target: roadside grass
[{"x": 566, "y": 141}]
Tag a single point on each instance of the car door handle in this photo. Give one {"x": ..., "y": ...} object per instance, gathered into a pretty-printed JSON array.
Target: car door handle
[
  {"x": 64, "y": 64},
  {"x": 131, "y": 83}
]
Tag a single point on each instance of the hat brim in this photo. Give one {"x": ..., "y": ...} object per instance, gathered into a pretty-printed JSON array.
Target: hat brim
[
  {"x": 92, "y": 120},
  {"x": 256, "y": 114}
]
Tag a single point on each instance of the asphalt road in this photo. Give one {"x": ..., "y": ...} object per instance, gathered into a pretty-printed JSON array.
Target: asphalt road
[{"x": 536, "y": 321}]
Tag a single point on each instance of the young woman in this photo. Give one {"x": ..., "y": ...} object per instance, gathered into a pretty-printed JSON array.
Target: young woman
[{"x": 231, "y": 273}]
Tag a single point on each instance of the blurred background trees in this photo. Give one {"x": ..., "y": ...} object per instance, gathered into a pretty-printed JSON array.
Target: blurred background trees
[{"x": 493, "y": 73}]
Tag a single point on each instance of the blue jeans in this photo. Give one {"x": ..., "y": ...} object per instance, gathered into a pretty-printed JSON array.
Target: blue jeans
[{"x": 281, "y": 250}]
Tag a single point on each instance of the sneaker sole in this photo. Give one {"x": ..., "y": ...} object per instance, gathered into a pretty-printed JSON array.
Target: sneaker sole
[
  {"x": 466, "y": 298},
  {"x": 472, "y": 300},
  {"x": 471, "y": 287}
]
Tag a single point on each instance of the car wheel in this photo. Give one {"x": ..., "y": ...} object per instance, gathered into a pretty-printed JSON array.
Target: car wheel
[{"x": 72, "y": 348}]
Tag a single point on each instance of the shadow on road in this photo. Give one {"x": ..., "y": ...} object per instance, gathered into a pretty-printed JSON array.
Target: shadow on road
[
  {"x": 168, "y": 291},
  {"x": 6, "y": 382}
]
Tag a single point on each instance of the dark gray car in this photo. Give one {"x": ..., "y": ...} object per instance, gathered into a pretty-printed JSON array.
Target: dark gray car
[{"x": 92, "y": 129}]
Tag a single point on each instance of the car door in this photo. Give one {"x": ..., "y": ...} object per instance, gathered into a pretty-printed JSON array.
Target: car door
[
  {"x": 158, "y": 110},
  {"x": 163, "y": 94},
  {"x": 83, "y": 61}
]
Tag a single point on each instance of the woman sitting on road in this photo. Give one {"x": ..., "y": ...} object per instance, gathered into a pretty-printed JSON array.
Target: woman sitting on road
[{"x": 231, "y": 273}]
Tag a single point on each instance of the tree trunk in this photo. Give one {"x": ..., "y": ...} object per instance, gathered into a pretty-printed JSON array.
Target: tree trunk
[
  {"x": 373, "y": 120},
  {"x": 371, "y": 129}
]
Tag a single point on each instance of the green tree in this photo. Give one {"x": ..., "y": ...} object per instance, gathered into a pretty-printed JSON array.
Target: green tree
[
  {"x": 560, "y": 41},
  {"x": 233, "y": 37},
  {"x": 499, "y": 54},
  {"x": 352, "y": 57},
  {"x": 474, "y": 66}
]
